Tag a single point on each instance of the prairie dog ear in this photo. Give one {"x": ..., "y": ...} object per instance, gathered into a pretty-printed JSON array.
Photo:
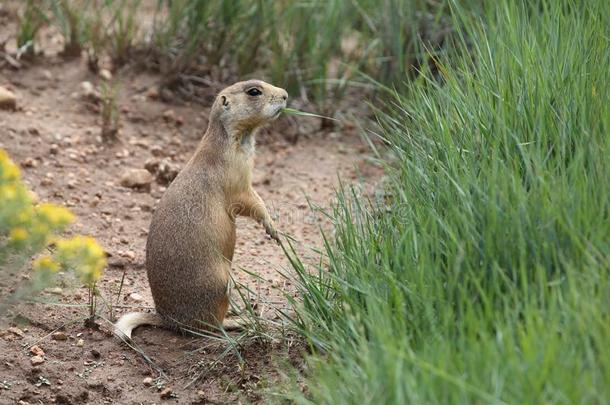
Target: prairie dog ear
[{"x": 224, "y": 101}]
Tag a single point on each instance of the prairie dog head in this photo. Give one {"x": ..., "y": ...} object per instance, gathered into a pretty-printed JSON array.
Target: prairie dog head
[{"x": 246, "y": 106}]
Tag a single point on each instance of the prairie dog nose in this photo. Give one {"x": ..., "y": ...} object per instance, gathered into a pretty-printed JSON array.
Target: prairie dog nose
[{"x": 280, "y": 93}]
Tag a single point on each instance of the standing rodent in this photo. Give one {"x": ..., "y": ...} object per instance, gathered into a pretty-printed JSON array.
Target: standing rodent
[{"x": 192, "y": 234}]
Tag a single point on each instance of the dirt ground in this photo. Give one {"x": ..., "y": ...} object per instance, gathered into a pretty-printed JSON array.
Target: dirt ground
[{"x": 54, "y": 136}]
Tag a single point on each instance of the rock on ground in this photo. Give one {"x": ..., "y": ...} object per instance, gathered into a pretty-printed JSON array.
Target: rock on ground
[
  {"x": 59, "y": 336},
  {"x": 8, "y": 100},
  {"x": 137, "y": 178}
]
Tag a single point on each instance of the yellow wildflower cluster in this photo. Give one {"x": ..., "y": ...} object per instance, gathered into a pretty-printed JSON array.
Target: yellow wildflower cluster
[
  {"x": 13, "y": 194},
  {"x": 28, "y": 228},
  {"x": 46, "y": 264},
  {"x": 9, "y": 172},
  {"x": 54, "y": 215},
  {"x": 18, "y": 235},
  {"x": 26, "y": 224},
  {"x": 84, "y": 255}
]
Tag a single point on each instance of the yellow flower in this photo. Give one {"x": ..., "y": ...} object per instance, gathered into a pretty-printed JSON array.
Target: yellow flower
[
  {"x": 42, "y": 231},
  {"x": 46, "y": 264},
  {"x": 18, "y": 235},
  {"x": 55, "y": 215},
  {"x": 8, "y": 193},
  {"x": 84, "y": 255},
  {"x": 8, "y": 170},
  {"x": 15, "y": 206},
  {"x": 25, "y": 214}
]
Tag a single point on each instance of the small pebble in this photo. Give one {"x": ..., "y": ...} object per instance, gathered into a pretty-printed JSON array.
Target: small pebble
[
  {"x": 36, "y": 351},
  {"x": 136, "y": 297},
  {"x": 105, "y": 74},
  {"x": 56, "y": 291},
  {"x": 59, "y": 336},
  {"x": 166, "y": 393},
  {"x": 137, "y": 178},
  {"x": 8, "y": 100}
]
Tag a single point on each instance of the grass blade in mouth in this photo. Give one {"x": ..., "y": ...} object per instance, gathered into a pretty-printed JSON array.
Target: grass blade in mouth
[{"x": 292, "y": 111}]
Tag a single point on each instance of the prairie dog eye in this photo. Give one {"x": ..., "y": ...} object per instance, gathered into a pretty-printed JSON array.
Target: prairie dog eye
[{"x": 254, "y": 92}]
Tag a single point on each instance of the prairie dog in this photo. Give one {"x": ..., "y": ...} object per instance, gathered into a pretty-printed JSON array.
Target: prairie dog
[{"x": 192, "y": 234}]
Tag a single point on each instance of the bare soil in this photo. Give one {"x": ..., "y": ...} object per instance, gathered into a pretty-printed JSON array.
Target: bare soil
[{"x": 54, "y": 135}]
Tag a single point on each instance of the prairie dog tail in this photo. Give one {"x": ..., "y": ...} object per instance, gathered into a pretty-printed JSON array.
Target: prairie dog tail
[{"x": 128, "y": 322}]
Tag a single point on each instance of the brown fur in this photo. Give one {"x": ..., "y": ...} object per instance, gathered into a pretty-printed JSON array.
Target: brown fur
[{"x": 192, "y": 235}]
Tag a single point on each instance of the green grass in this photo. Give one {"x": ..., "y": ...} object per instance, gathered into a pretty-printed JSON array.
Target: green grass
[
  {"x": 482, "y": 275},
  {"x": 316, "y": 49},
  {"x": 29, "y": 23},
  {"x": 292, "y": 111}
]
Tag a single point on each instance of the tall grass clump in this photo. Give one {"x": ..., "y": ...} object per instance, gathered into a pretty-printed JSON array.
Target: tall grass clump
[
  {"x": 290, "y": 42},
  {"x": 69, "y": 18},
  {"x": 314, "y": 48},
  {"x": 483, "y": 275},
  {"x": 317, "y": 49},
  {"x": 29, "y": 22}
]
